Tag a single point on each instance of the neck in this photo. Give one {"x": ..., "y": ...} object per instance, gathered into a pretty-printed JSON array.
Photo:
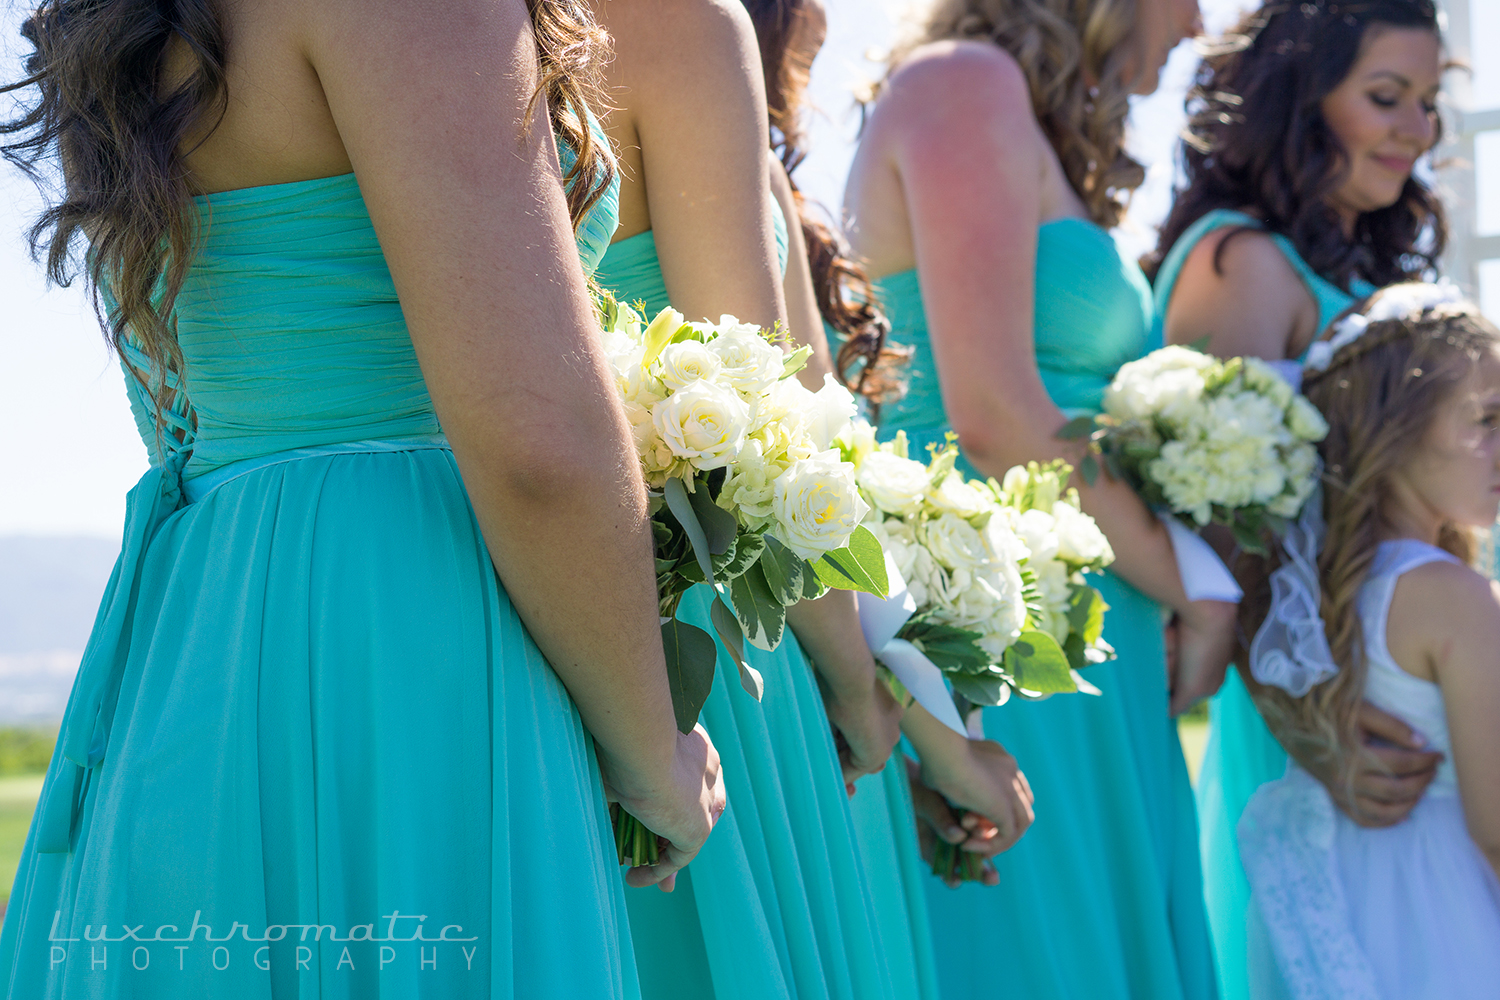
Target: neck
[{"x": 1407, "y": 516}]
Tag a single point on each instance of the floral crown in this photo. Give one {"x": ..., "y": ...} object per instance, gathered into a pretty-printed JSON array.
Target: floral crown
[{"x": 1408, "y": 301}]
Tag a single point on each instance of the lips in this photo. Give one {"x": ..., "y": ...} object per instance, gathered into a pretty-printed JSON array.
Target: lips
[{"x": 1395, "y": 164}]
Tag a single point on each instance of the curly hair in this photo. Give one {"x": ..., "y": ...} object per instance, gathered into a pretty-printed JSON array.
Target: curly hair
[
  {"x": 846, "y": 299},
  {"x": 101, "y": 114},
  {"x": 1077, "y": 61},
  {"x": 1256, "y": 140},
  {"x": 1380, "y": 394}
]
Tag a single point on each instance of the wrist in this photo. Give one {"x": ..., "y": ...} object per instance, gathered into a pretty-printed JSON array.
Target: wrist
[{"x": 1208, "y": 615}]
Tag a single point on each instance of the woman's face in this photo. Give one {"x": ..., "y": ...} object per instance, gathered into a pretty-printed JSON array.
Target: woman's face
[
  {"x": 1384, "y": 115},
  {"x": 1160, "y": 25}
]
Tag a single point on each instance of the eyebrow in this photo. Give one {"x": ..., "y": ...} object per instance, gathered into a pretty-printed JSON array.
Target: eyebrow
[{"x": 1403, "y": 81}]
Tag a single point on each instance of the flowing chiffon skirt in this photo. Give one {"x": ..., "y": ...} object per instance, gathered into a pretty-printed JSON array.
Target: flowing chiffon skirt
[{"x": 328, "y": 761}]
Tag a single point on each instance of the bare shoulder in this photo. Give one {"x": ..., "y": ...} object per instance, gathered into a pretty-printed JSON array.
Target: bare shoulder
[
  {"x": 1446, "y": 614},
  {"x": 663, "y": 39},
  {"x": 1237, "y": 288},
  {"x": 977, "y": 80}
]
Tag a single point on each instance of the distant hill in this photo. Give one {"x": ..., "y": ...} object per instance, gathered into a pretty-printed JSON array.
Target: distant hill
[{"x": 49, "y": 593}]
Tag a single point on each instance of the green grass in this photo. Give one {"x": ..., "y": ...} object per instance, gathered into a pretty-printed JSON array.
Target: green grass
[
  {"x": 1192, "y": 730},
  {"x": 26, "y": 749},
  {"x": 18, "y": 795}
]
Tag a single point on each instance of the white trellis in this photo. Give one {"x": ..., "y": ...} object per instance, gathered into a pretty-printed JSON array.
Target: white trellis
[{"x": 1469, "y": 250}]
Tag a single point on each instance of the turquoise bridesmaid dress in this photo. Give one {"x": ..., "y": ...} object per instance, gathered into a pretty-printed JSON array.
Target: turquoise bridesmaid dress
[
  {"x": 1102, "y": 898},
  {"x": 777, "y": 904},
  {"x": 1241, "y": 754},
  {"x": 311, "y": 750}
]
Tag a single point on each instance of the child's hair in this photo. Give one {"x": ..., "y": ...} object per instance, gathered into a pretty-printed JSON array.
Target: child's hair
[{"x": 1379, "y": 394}]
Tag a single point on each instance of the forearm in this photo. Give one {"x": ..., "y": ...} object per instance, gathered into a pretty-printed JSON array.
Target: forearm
[
  {"x": 574, "y": 554},
  {"x": 942, "y": 752},
  {"x": 829, "y": 632}
]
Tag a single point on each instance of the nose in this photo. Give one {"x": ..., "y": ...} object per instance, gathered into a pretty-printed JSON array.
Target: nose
[{"x": 1417, "y": 126}]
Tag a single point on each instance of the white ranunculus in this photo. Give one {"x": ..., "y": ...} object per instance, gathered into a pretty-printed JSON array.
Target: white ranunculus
[
  {"x": 1079, "y": 540},
  {"x": 817, "y": 504},
  {"x": 958, "y": 496},
  {"x": 704, "y": 424},
  {"x": 747, "y": 361},
  {"x": 896, "y": 485},
  {"x": 858, "y": 440},
  {"x": 686, "y": 362}
]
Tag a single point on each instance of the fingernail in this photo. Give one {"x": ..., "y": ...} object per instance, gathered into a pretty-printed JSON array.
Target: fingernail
[{"x": 955, "y": 833}]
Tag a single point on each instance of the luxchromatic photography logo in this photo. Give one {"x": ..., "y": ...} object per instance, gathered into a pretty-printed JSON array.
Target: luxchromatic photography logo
[{"x": 395, "y": 939}]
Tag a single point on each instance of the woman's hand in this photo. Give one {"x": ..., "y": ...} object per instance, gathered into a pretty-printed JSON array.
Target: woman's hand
[
  {"x": 860, "y": 708},
  {"x": 1200, "y": 643},
  {"x": 680, "y": 805},
  {"x": 868, "y": 722},
  {"x": 978, "y": 776},
  {"x": 935, "y": 819}
]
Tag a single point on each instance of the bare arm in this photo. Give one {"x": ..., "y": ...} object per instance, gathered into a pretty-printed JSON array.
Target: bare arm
[
  {"x": 804, "y": 320},
  {"x": 971, "y": 159},
  {"x": 1445, "y": 619},
  {"x": 1252, "y": 304},
  {"x": 474, "y": 226}
]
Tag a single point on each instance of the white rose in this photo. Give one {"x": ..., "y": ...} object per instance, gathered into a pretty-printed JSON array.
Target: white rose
[
  {"x": 686, "y": 362},
  {"x": 747, "y": 361},
  {"x": 817, "y": 505},
  {"x": 1038, "y": 529},
  {"x": 961, "y": 497},
  {"x": 704, "y": 424},
  {"x": 833, "y": 407},
  {"x": 1079, "y": 540},
  {"x": 953, "y": 542},
  {"x": 896, "y": 485}
]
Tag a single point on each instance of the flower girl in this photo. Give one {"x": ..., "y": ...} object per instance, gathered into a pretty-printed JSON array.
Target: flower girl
[{"x": 1374, "y": 598}]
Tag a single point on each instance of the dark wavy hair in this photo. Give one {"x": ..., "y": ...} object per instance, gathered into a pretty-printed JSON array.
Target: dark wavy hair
[
  {"x": 1256, "y": 140},
  {"x": 101, "y": 114},
  {"x": 846, "y": 299}
]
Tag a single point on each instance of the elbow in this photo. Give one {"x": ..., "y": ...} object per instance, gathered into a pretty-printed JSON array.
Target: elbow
[
  {"x": 994, "y": 442},
  {"x": 531, "y": 467}
]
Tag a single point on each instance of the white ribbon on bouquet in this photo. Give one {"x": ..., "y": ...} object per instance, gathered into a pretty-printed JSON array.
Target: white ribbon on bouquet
[
  {"x": 881, "y": 619},
  {"x": 1204, "y": 575}
]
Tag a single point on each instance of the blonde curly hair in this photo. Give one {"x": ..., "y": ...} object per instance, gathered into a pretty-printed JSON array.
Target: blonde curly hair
[{"x": 1078, "y": 62}]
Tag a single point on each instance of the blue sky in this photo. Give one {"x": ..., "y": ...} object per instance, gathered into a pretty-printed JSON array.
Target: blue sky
[{"x": 69, "y": 451}]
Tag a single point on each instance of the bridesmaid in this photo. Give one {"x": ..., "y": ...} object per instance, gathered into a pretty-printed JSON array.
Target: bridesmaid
[
  {"x": 1296, "y": 204},
  {"x": 348, "y": 698},
  {"x": 989, "y": 171},
  {"x": 826, "y": 289},
  {"x": 779, "y": 906}
]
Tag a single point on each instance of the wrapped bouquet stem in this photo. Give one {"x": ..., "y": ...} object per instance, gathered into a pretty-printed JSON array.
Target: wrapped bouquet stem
[{"x": 748, "y": 496}]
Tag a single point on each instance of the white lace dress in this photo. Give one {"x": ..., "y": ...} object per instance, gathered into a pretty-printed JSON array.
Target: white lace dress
[{"x": 1339, "y": 912}]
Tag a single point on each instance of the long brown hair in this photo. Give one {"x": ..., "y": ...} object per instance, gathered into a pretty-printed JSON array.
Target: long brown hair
[
  {"x": 846, "y": 299},
  {"x": 1379, "y": 395},
  {"x": 1076, "y": 57},
  {"x": 1256, "y": 140},
  {"x": 101, "y": 116}
]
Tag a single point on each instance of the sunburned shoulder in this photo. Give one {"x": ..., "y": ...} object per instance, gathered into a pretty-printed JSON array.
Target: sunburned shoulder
[
  {"x": 672, "y": 33},
  {"x": 950, "y": 93},
  {"x": 1237, "y": 287},
  {"x": 977, "y": 80},
  {"x": 1444, "y": 616}
]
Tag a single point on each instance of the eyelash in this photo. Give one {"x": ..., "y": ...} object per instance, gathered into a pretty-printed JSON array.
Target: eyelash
[{"x": 1390, "y": 102}]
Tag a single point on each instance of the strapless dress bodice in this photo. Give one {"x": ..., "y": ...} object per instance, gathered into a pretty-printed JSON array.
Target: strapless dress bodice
[
  {"x": 631, "y": 268},
  {"x": 291, "y": 331},
  {"x": 1092, "y": 315}
]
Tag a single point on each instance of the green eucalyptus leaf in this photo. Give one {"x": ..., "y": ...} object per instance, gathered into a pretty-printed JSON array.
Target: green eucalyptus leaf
[
  {"x": 1086, "y": 609},
  {"x": 691, "y": 655},
  {"x": 979, "y": 690},
  {"x": 1076, "y": 650},
  {"x": 1077, "y": 429},
  {"x": 860, "y": 565},
  {"x": 1089, "y": 468},
  {"x": 681, "y": 507}
]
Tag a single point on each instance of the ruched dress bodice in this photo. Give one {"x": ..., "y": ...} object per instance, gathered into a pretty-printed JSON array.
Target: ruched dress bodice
[
  {"x": 1093, "y": 314},
  {"x": 291, "y": 331},
  {"x": 307, "y": 700}
]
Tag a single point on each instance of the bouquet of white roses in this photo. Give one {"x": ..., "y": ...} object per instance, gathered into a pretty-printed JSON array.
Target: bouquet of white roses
[
  {"x": 994, "y": 572},
  {"x": 1212, "y": 441},
  {"x": 748, "y": 493},
  {"x": 995, "y": 601}
]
